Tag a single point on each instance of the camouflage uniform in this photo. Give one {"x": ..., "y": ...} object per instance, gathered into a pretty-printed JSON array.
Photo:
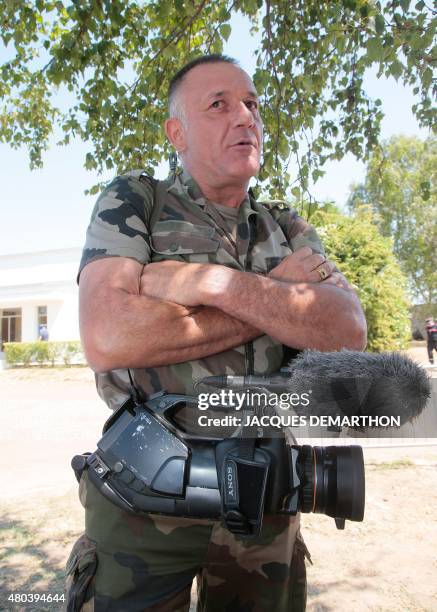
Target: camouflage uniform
[{"x": 133, "y": 563}]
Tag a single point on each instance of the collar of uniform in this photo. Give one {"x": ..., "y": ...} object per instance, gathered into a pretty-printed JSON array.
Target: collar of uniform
[{"x": 185, "y": 185}]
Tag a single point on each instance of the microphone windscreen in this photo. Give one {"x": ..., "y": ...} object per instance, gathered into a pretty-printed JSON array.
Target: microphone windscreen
[{"x": 356, "y": 383}]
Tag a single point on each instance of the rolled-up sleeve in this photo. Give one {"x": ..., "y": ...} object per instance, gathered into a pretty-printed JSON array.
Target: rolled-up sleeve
[{"x": 119, "y": 222}]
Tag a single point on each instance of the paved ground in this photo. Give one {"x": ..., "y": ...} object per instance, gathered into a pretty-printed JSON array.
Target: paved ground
[{"x": 43, "y": 423}]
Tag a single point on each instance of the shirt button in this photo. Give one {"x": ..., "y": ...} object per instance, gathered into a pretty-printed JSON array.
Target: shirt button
[{"x": 173, "y": 247}]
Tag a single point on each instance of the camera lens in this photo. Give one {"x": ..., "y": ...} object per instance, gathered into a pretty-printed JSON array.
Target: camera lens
[{"x": 332, "y": 481}]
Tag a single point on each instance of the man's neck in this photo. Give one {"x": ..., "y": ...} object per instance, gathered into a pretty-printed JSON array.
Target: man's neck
[{"x": 231, "y": 194}]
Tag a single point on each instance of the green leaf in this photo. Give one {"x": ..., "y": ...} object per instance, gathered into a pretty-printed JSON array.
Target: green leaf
[
  {"x": 375, "y": 51},
  {"x": 425, "y": 187},
  {"x": 349, "y": 4},
  {"x": 379, "y": 23},
  {"x": 94, "y": 189},
  {"x": 396, "y": 69},
  {"x": 427, "y": 77},
  {"x": 89, "y": 162},
  {"x": 225, "y": 30},
  {"x": 364, "y": 10}
]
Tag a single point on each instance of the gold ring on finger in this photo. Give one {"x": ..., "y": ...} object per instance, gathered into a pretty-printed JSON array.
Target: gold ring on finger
[{"x": 322, "y": 273}]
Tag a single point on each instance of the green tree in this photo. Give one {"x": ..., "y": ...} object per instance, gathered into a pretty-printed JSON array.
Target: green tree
[
  {"x": 366, "y": 259},
  {"x": 115, "y": 57},
  {"x": 401, "y": 187}
]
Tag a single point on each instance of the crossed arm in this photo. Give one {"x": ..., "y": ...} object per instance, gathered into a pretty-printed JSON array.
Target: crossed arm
[{"x": 170, "y": 312}]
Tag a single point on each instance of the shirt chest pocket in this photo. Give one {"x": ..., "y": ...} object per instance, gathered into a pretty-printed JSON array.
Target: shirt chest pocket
[{"x": 183, "y": 241}]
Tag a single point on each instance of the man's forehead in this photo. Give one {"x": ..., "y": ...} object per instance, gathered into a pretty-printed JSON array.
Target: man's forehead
[
  {"x": 250, "y": 93},
  {"x": 219, "y": 79}
]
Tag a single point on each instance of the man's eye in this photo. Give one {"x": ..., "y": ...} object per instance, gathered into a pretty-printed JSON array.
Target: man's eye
[
  {"x": 251, "y": 104},
  {"x": 216, "y": 104}
]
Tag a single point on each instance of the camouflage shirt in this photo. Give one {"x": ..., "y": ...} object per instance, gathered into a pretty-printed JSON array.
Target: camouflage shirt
[{"x": 191, "y": 229}]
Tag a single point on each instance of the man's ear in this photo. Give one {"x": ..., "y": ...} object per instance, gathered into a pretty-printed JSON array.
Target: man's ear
[{"x": 175, "y": 133}]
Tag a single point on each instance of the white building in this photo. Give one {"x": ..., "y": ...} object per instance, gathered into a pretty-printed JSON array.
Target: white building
[{"x": 39, "y": 289}]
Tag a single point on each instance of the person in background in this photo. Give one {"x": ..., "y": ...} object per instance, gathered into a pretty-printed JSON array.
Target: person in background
[
  {"x": 43, "y": 335},
  {"x": 431, "y": 338}
]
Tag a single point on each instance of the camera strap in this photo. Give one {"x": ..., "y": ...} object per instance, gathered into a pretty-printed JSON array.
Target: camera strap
[
  {"x": 134, "y": 393},
  {"x": 245, "y": 469}
]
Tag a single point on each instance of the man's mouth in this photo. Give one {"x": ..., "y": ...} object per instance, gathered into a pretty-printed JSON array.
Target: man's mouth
[{"x": 244, "y": 143}]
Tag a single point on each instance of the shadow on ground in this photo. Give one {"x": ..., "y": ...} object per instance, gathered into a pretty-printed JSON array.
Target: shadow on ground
[{"x": 32, "y": 561}]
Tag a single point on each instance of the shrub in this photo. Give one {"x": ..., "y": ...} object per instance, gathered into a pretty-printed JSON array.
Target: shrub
[
  {"x": 40, "y": 352},
  {"x": 19, "y": 352},
  {"x": 366, "y": 258},
  {"x": 70, "y": 351},
  {"x": 25, "y": 353}
]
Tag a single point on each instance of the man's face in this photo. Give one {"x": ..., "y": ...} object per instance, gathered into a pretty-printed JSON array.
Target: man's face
[{"x": 223, "y": 129}]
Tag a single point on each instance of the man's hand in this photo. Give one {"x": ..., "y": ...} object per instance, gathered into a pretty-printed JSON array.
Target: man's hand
[
  {"x": 339, "y": 280},
  {"x": 174, "y": 281},
  {"x": 303, "y": 266}
]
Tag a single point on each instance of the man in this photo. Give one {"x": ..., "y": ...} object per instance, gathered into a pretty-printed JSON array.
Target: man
[
  {"x": 214, "y": 285},
  {"x": 431, "y": 338},
  {"x": 43, "y": 335}
]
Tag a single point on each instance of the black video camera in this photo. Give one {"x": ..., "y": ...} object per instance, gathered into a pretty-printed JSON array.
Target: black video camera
[{"x": 144, "y": 463}]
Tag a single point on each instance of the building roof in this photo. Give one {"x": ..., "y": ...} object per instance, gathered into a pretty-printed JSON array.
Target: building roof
[{"x": 39, "y": 272}]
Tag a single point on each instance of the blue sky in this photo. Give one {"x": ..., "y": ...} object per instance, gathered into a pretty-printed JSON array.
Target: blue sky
[{"x": 47, "y": 209}]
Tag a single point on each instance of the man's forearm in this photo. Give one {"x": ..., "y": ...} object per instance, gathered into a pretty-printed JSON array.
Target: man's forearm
[
  {"x": 146, "y": 332},
  {"x": 121, "y": 328},
  {"x": 302, "y": 315}
]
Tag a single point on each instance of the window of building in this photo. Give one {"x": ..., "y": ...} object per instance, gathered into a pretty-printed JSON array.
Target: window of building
[
  {"x": 10, "y": 325},
  {"x": 42, "y": 316},
  {"x": 43, "y": 333}
]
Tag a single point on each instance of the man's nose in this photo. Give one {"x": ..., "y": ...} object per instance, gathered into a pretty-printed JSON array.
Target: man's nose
[{"x": 244, "y": 116}]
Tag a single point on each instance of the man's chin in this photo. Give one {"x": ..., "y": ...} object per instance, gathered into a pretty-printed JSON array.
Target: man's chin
[{"x": 245, "y": 171}]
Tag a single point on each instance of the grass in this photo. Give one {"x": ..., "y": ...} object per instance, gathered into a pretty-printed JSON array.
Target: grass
[{"x": 394, "y": 465}]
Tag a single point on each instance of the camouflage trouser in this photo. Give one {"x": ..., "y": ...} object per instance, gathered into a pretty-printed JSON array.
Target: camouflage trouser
[{"x": 132, "y": 563}]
